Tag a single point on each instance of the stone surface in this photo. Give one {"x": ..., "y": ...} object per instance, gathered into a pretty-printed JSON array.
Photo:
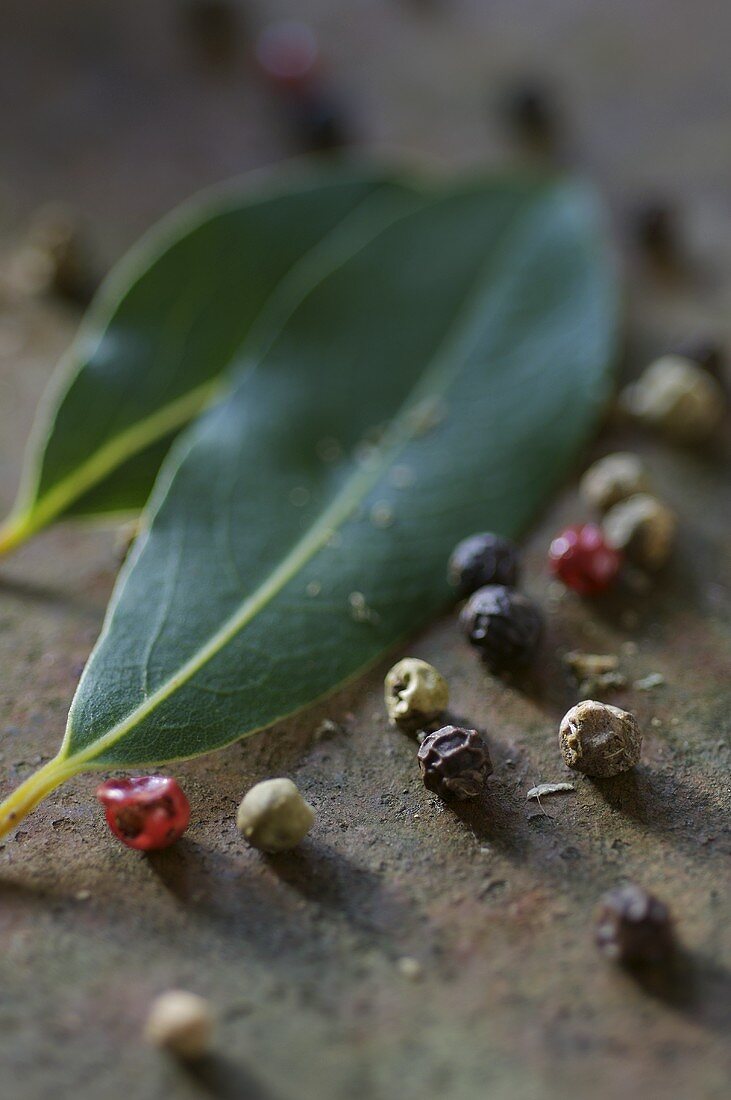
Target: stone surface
[{"x": 301, "y": 954}]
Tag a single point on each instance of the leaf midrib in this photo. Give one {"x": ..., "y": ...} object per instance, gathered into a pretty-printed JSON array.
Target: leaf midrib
[
  {"x": 33, "y": 513},
  {"x": 443, "y": 366}
]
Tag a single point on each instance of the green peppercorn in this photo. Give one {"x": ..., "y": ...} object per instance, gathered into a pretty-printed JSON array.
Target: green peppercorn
[{"x": 415, "y": 693}]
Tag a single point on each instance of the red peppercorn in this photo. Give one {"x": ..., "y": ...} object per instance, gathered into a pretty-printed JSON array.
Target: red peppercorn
[
  {"x": 581, "y": 558},
  {"x": 147, "y": 812}
]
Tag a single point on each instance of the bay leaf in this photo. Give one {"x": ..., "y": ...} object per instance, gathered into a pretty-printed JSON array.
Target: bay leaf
[
  {"x": 439, "y": 381},
  {"x": 204, "y": 290}
]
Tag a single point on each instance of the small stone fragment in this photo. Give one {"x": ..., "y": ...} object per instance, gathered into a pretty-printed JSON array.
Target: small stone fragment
[
  {"x": 481, "y": 560},
  {"x": 589, "y": 665},
  {"x": 504, "y": 625},
  {"x": 599, "y": 739},
  {"x": 543, "y": 789},
  {"x": 415, "y": 694},
  {"x": 613, "y": 478},
  {"x": 454, "y": 762},
  {"x": 274, "y": 816},
  {"x": 181, "y": 1023},
  {"x": 677, "y": 397},
  {"x": 642, "y": 528},
  {"x": 650, "y": 682},
  {"x": 633, "y": 927}
]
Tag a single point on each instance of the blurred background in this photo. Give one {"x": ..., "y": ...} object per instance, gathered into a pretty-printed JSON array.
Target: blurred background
[
  {"x": 112, "y": 113},
  {"x": 120, "y": 111}
]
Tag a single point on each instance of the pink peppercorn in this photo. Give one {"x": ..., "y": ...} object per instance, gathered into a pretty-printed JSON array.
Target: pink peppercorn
[
  {"x": 147, "y": 812},
  {"x": 581, "y": 558}
]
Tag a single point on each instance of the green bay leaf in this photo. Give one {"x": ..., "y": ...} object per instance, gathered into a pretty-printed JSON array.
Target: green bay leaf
[
  {"x": 438, "y": 381},
  {"x": 203, "y": 292}
]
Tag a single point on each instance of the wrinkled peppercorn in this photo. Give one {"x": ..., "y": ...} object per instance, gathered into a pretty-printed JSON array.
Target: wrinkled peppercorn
[
  {"x": 599, "y": 740},
  {"x": 633, "y": 927},
  {"x": 503, "y": 624},
  {"x": 454, "y": 761},
  {"x": 147, "y": 812},
  {"x": 481, "y": 560}
]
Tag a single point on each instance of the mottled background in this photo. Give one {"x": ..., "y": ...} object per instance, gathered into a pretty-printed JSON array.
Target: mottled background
[{"x": 116, "y": 109}]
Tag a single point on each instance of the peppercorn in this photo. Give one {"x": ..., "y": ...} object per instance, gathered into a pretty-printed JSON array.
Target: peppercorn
[
  {"x": 582, "y": 560},
  {"x": 454, "y": 761},
  {"x": 599, "y": 739},
  {"x": 677, "y": 397},
  {"x": 146, "y": 812},
  {"x": 55, "y": 256},
  {"x": 633, "y": 927},
  {"x": 289, "y": 56},
  {"x": 503, "y": 624},
  {"x": 530, "y": 112},
  {"x": 705, "y": 352},
  {"x": 655, "y": 227},
  {"x": 481, "y": 560},
  {"x": 273, "y": 816},
  {"x": 213, "y": 26},
  {"x": 181, "y": 1023},
  {"x": 613, "y": 478},
  {"x": 415, "y": 694},
  {"x": 643, "y": 528}
]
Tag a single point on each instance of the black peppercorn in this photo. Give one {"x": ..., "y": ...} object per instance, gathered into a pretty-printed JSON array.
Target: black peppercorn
[
  {"x": 633, "y": 927},
  {"x": 529, "y": 111},
  {"x": 503, "y": 624},
  {"x": 454, "y": 761},
  {"x": 483, "y": 559}
]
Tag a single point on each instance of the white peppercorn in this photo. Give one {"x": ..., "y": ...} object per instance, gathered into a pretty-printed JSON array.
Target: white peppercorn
[
  {"x": 613, "y": 478},
  {"x": 415, "y": 694},
  {"x": 274, "y": 816},
  {"x": 181, "y": 1023},
  {"x": 677, "y": 397},
  {"x": 599, "y": 740},
  {"x": 643, "y": 528}
]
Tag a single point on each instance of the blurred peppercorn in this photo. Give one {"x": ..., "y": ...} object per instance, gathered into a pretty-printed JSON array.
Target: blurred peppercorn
[
  {"x": 481, "y": 560},
  {"x": 633, "y": 927}
]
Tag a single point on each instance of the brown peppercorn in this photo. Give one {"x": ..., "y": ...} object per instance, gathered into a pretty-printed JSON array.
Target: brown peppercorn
[
  {"x": 599, "y": 739},
  {"x": 454, "y": 761},
  {"x": 633, "y": 927},
  {"x": 643, "y": 528}
]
